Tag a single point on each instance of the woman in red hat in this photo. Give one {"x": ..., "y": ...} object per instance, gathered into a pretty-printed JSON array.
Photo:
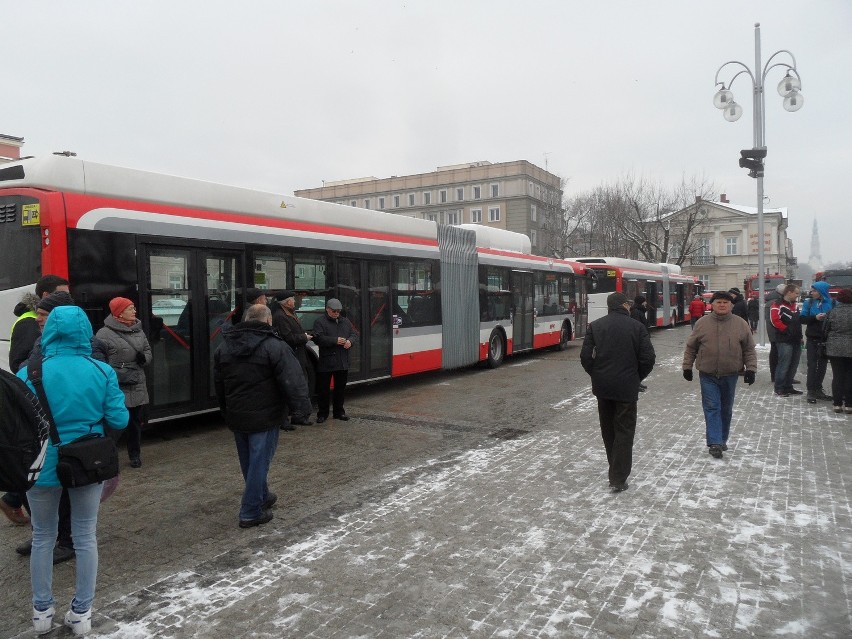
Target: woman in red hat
[{"x": 129, "y": 353}]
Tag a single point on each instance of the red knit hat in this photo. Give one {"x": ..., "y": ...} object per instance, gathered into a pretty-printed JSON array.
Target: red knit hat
[{"x": 118, "y": 304}]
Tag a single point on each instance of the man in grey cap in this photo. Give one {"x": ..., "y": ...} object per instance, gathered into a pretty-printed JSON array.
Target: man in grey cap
[
  {"x": 334, "y": 335},
  {"x": 617, "y": 354}
]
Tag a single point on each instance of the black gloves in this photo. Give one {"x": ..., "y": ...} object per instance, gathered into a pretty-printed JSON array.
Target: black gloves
[
  {"x": 140, "y": 358},
  {"x": 748, "y": 377},
  {"x": 687, "y": 374}
]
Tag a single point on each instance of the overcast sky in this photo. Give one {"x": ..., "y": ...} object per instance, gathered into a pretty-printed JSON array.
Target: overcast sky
[{"x": 281, "y": 95}]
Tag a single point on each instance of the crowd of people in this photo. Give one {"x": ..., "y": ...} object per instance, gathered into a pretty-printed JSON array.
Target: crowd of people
[{"x": 97, "y": 383}]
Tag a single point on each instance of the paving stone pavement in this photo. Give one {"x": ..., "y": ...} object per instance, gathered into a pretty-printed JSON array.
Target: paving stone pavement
[{"x": 518, "y": 536}]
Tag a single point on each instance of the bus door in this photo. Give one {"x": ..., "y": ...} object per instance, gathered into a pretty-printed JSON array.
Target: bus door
[
  {"x": 191, "y": 295},
  {"x": 653, "y": 293},
  {"x": 363, "y": 287},
  {"x": 523, "y": 318}
]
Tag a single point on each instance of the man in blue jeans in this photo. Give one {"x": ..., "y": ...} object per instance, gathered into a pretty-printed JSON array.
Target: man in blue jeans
[
  {"x": 787, "y": 323},
  {"x": 721, "y": 346},
  {"x": 257, "y": 379}
]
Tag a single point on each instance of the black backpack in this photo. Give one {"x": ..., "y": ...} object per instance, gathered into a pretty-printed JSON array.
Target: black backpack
[{"x": 24, "y": 435}]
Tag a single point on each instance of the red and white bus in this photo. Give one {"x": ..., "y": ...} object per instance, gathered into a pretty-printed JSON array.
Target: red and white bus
[
  {"x": 422, "y": 297},
  {"x": 666, "y": 289}
]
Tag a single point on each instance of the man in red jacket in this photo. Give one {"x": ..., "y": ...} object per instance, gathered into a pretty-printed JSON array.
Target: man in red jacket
[{"x": 696, "y": 310}]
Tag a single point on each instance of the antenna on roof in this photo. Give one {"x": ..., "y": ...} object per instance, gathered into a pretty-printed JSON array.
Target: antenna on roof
[{"x": 67, "y": 154}]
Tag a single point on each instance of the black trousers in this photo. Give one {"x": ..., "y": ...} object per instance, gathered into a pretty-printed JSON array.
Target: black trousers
[
  {"x": 773, "y": 360},
  {"x": 841, "y": 382},
  {"x": 816, "y": 366},
  {"x": 323, "y": 392},
  {"x": 618, "y": 428},
  {"x": 134, "y": 432}
]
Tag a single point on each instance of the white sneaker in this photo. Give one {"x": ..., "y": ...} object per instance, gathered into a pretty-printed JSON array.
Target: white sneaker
[
  {"x": 43, "y": 620},
  {"x": 79, "y": 622}
]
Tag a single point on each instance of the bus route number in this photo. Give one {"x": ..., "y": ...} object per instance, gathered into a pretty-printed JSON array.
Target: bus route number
[
  {"x": 30, "y": 215},
  {"x": 610, "y": 273}
]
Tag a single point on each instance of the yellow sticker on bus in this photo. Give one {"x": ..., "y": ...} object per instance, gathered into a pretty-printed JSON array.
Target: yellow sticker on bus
[{"x": 30, "y": 215}]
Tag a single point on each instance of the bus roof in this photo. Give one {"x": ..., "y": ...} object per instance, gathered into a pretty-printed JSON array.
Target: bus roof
[{"x": 620, "y": 262}]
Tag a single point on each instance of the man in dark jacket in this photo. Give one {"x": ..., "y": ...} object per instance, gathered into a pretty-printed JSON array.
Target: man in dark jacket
[
  {"x": 289, "y": 327},
  {"x": 617, "y": 354},
  {"x": 740, "y": 308},
  {"x": 26, "y": 330},
  {"x": 753, "y": 310},
  {"x": 788, "y": 337},
  {"x": 772, "y": 297},
  {"x": 639, "y": 309},
  {"x": 334, "y": 335},
  {"x": 256, "y": 377}
]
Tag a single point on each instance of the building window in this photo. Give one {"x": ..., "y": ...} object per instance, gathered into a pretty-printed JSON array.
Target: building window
[
  {"x": 495, "y": 190},
  {"x": 460, "y": 194},
  {"x": 533, "y": 213},
  {"x": 705, "y": 281},
  {"x": 494, "y": 214},
  {"x": 427, "y": 197},
  {"x": 381, "y": 203},
  {"x": 411, "y": 199},
  {"x": 396, "y": 201},
  {"x": 453, "y": 217},
  {"x": 703, "y": 248},
  {"x": 353, "y": 202},
  {"x": 476, "y": 216},
  {"x": 731, "y": 246},
  {"x": 532, "y": 189},
  {"x": 477, "y": 193},
  {"x": 442, "y": 196},
  {"x": 432, "y": 217},
  {"x": 366, "y": 204},
  {"x": 533, "y": 237}
]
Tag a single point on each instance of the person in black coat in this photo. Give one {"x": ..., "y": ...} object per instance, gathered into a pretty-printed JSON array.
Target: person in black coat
[
  {"x": 740, "y": 308},
  {"x": 617, "y": 354},
  {"x": 257, "y": 377},
  {"x": 289, "y": 327},
  {"x": 639, "y": 310},
  {"x": 334, "y": 335}
]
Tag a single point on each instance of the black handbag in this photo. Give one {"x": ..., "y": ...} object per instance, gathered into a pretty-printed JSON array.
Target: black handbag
[{"x": 89, "y": 459}]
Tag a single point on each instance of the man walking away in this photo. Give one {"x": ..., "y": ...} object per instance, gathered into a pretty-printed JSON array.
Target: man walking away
[
  {"x": 617, "y": 354},
  {"x": 721, "y": 346},
  {"x": 696, "y": 310},
  {"x": 753, "y": 311},
  {"x": 256, "y": 377}
]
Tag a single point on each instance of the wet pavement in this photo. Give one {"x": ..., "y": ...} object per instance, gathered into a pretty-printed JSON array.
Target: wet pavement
[{"x": 475, "y": 504}]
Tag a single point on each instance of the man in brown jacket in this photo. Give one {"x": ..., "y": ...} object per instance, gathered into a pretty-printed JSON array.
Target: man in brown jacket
[{"x": 721, "y": 346}]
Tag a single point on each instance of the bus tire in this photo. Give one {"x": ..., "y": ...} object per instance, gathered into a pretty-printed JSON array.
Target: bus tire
[
  {"x": 496, "y": 348},
  {"x": 564, "y": 336}
]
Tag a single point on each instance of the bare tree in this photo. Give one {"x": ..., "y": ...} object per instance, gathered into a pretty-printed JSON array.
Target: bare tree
[
  {"x": 635, "y": 217},
  {"x": 561, "y": 222}
]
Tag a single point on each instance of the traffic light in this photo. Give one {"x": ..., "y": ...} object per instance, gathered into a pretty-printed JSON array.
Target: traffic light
[{"x": 752, "y": 159}]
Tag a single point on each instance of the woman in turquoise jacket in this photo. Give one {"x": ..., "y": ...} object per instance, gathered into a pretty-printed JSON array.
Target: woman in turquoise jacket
[{"x": 83, "y": 396}]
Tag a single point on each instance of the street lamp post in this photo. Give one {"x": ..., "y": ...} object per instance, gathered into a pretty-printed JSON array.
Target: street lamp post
[{"x": 790, "y": 89}]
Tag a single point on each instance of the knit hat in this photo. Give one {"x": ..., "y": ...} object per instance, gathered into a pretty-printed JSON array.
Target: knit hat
[
  {"x": 722, "y": 295},
  {"x": 639, "y": 299},
  {"x": 252, "y": 294},
  {"x": 734, "y": 290},
  {"x": 118, "y": 304},
  {"x": 59, "y": 298},
  {"x": 615, "y": 300}
]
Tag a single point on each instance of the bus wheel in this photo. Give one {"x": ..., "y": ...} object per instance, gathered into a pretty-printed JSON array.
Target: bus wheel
[
  {"x": 564, "y": 336},
  {"x": 496, "y": 349}
]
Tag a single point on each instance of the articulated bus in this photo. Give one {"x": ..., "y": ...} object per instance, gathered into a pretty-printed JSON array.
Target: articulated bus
[
  {"x": 666, "y": 289},
  {"x": 422, "y": 297}
]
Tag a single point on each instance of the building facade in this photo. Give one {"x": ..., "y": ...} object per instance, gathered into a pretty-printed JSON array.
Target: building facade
[
  {"x": 10, "y": 148},
  {"x": 516, "y": 196},
  {"x": 727, "y": 244}
]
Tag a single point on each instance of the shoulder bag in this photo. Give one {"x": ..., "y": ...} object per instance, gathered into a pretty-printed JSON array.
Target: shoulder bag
[{"x": 89, "y": 459}]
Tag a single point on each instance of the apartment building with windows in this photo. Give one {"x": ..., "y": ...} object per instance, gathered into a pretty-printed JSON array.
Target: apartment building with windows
[
  {"x": 10, "y": 148},
  {"x": 516, "y": 196},
  {"x": 728, "y": 240}
]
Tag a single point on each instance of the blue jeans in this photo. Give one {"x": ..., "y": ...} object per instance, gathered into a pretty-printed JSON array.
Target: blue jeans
[
  {"x": 788, "y": 363},
  {"x": 44, "y": 511},
  {"x": 255, "y": 451},
  {"x": 717, "y": 400}
]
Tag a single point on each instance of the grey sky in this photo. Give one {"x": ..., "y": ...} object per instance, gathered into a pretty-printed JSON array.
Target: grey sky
[{"x": 283, "y": 95}]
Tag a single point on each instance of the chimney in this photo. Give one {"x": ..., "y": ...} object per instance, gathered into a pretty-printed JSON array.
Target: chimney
[{"x": 724, "y": 198}]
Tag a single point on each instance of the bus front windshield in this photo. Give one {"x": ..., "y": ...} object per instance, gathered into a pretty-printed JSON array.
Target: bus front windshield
[{"x": 20, "y": 241}]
